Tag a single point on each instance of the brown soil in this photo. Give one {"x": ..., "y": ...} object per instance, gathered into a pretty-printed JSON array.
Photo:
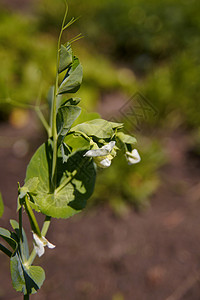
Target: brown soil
[
  {"x": 154, "y": 255},
  {"x": 21, "y": 5}
]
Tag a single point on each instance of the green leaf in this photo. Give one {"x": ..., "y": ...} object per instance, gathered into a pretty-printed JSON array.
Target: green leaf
[
  {"x": 25, "y": 279},
  {"x": 17, "y": 274},
  {"x": 9, "y": 237},
  {"x": 69, "y": 200},
  {"x": 66, "y": 57},
  {"x": 77, "y": 142},
  {"x": 125, "y": 138},
  {"x": 98, "y": 127},
  {"x": 24, "y": 244},
  {"x": 71, "y": 101},
  {"x": 34, "y": 277},
  {"x": 29, "y": 186},
  {"x": 73, "y": 79},
  {"x": 66, "y": 117},
  {"x": 1, "y": 206},
  {"x": 72, "y": 143},
  {"x": 32, "y": 184}
]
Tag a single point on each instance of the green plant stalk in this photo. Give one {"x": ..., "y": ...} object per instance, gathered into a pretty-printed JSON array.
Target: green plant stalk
[
  {"x": 26, "y": 297},
  {"x": 43, "y": 120},
  {"x": 20, "y": 230},
  {"x": 66, "y": 181},
  {"x": 36, "y": 108},
  {"x": 18, "y": 104},
  {"x": 46, "y": 225},
  {"x": 32, "y": 218},
  {"x": 20, "y": 225},
  {"x": 54, "y": 129},
  {"x": 52, "y": 132}
]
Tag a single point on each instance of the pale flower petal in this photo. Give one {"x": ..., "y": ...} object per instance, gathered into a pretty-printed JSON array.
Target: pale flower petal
[
  {"x": 103, "y": 151},
  {"x": 50, "y": 245},
  {"x": 40, "y": 243},
  {"x": 105, "y": 163},
  {"x": 133, "y": 157},
  {"x": 96, "y": 152},
  {"x": 109, "y": 146}
]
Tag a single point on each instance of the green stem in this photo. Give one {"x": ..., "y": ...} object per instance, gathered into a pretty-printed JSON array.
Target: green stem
[
  {"x": 19, "y": 104},
  {"x": 54, "y": 129},
  {"x": 26, "y": 297},
  {"x": 32, "y": 218},
  {"x": 43, "y": 120},
  {"x": 20, "y": 225},
  {"x": 20, "y": 231},
  {"x": 46, "y": 225},
  {"x": 84, "y": 135},
  {"x": 66, "y": 181},
  {"x": 31, "y": 258},
  {"x": 44, "y": 230}
]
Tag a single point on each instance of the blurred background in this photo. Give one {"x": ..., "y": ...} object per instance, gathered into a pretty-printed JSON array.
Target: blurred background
[{"x": 139, "y": 236}]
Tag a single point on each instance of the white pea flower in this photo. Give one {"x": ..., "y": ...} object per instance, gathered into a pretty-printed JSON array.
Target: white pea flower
[
  {"x": 102, "y": 156},
  {"x": 133, "y": 157},
  {"x": 40, "y": 243}
]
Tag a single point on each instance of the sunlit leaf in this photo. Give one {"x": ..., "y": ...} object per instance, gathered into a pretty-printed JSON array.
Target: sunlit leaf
[
  {"x": 66, "y": 117},
  {"x": 126, "y": 138},
  {"x": 73, "y": 79},
  {"x": 10, "y": 237},
  {"x": 25, "y": 279},
  {"x": 72, "y": 197},
  {"x": 29, "y": 186},
  {"x": 76, "y": 142},
  {"x": 72, "y": 143},
  {"x": 66, "y": 57},
  {"x": 17, "y": 274},
  {"x": 24, "y": 244},
  {"x": 98, "y": 127}
]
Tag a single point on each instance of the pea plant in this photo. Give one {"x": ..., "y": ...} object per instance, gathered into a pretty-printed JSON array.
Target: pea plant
[{"x": 61, "y": 174}]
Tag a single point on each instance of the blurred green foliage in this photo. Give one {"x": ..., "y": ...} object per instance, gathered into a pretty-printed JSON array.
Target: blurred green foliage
[
  {"x": 122, "y": 186},
  {"x": 158, "y": 40},
  {"x": 129, "y": 46},
  {"x": 26, "y": 59}
]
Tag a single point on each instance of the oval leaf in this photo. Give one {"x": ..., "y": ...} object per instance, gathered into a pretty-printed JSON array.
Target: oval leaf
[
  {"x": 73, "y": 79},
  {"x": 98, "y": 127},
  {"x": 24, "y": 244},
  {"x": 66, "y": 117},
  {"x": 66, "y": 57},
  {"x": 69, "y": 200},
  {"x": 25, "y": 279},
  {"x": 9, "y": 237},
  {"x": 126, "y": 138},
  {"x": 76, "y": 142}
]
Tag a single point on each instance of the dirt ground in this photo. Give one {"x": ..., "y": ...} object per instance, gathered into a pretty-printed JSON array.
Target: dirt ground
[{"x": 153, "y": 255}]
